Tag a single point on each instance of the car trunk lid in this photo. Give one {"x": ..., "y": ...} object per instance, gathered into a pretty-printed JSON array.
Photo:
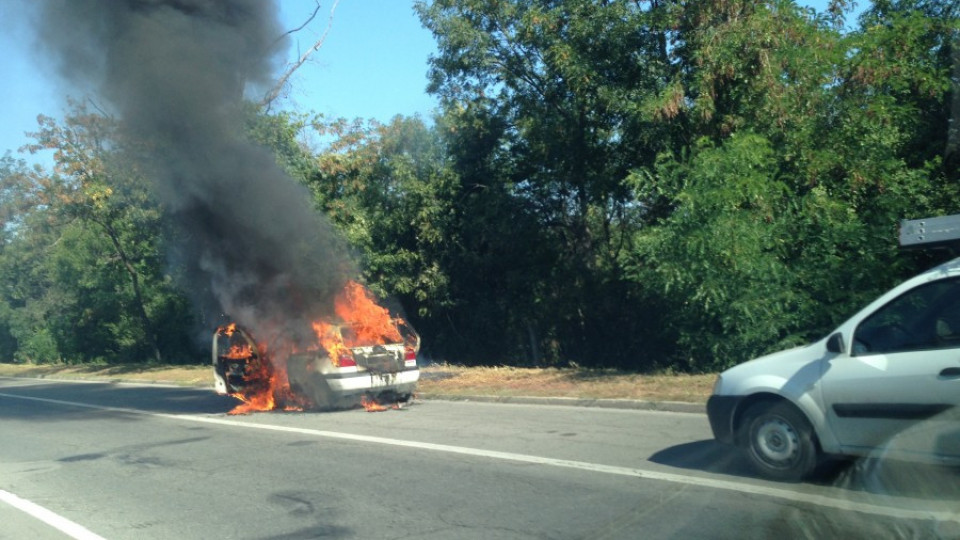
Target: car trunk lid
[{"x": 380, "y": 358}]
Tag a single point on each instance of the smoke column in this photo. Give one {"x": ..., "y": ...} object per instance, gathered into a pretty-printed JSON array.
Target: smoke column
[{"x": 176, "y": 72}]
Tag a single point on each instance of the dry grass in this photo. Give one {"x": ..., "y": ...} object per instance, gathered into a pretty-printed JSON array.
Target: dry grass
[
  {"x": 183, "y": 375},
  {"x": 437, "y": 379},
  {"x": 574, "y": 383}
]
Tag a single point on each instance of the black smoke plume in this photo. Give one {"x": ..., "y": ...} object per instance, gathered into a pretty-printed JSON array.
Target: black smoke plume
[{"x": 176, "y": 72}]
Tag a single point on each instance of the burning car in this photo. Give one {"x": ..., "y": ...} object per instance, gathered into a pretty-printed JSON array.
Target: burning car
[{"x": 363, "y": 355}]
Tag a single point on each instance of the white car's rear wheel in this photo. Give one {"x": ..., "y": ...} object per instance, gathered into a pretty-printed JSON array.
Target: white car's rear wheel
[{"x": 779, "y": 441}]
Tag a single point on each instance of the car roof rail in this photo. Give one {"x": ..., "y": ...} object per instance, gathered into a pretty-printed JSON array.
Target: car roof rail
[{"x": 932, "y": 232}]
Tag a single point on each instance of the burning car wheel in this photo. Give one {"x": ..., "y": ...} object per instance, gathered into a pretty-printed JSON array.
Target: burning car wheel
[{"x": 779, "y": 441}]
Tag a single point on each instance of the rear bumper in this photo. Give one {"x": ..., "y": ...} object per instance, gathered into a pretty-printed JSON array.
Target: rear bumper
[
  {"x": 346, "y": 384},
  {"x": 720, "y": 412},
  {"x": 355, "y": 383}
]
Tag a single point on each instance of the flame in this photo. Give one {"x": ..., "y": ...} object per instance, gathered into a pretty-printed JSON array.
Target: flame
[
  {"x": 266, "y": 398},
  {"x": 239, "y": 352},
  {"x": 265, "y": 381},
  {"x": 359, "y": 322},
  {"x": 368, "y": 323},
  {"x": 329, "y": 339},
  {"x": 371, "y": 323},
  {"x": 372, "y": 405}
]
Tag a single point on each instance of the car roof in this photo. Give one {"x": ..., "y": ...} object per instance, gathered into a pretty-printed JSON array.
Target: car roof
[{"x": 949, "y": 268}]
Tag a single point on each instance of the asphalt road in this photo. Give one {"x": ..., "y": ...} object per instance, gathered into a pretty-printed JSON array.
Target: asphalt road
[{"x": 121, "y": 461}]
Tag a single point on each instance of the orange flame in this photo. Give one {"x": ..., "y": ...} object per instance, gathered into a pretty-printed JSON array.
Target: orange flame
[
  {"x": 369, "y": 324},
  {"x": 372, "y": 405},
  {"x": 239, "y": 352},
  {"x": 266, "y": 399},
  {"x": 265, "y": 382}
]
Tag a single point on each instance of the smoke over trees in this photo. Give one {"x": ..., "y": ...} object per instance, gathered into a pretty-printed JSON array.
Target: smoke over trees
[{"x": 175, "y": 73}]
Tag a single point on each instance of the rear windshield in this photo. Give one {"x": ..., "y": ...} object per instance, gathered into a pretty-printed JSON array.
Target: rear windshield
[{"x": 355, "y": 335}]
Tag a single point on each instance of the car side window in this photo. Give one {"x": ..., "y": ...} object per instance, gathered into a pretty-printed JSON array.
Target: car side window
[{"x": 924, "y": 318}]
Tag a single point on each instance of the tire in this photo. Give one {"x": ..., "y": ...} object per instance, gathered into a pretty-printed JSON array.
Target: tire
[
  {"x": 318, "y": 391},
  {"x": 779, "y": 441}
]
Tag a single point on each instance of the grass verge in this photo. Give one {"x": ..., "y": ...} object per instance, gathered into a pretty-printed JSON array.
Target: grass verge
[{"x": 435, "y": 379}]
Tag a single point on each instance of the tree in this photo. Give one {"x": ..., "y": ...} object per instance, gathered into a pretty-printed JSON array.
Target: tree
[
  {"x": 389, "y": 190},
  {"x": 833, "y": 123},
  {"x": 83, "y": 260},
  {"x": 99, "y": 192},
  {"x": 719, "y": 259},
  {"x": 545, "y": 104},
  {"x": 906, "y": 70}
]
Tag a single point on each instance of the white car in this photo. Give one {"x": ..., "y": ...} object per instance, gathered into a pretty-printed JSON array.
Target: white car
[
  {"x": 886, "y": 381},
  {"x": 382, "y": 371}
]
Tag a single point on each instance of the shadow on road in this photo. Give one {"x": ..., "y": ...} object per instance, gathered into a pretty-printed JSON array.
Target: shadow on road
[
  {"x": 878, "y": 476},
  {"x": 52, "y": 401},
  {"x": 38, "y": 401},
  {"x": 707, "y": 456}
]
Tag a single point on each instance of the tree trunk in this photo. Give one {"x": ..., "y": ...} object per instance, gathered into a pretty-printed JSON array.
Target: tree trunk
[{"x": 145, "y": 321}]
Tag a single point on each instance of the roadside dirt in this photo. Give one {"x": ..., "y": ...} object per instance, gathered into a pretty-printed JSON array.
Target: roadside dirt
[
  {"x": 572, "y": 383},
  {"x": 435, "y": 379}
]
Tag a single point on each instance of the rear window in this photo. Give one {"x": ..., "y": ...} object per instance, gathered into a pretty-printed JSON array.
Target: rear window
[{"x": 355, "y": 335}]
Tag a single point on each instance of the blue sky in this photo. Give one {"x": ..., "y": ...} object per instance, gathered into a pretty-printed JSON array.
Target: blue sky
[{"x": 373, "y": 65}]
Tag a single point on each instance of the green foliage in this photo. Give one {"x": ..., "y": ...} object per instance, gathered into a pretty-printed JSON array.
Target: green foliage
[
  {"x": 543, "y": 123},
  {"x": 386, "y": 188},
  {"x": 284, "y": 133},
  {"x": 905, "y": 71},
  {"x": 719, "y": 258},
  {"x": 772, "y": 241},
  {"x": 83, "y": 260}
]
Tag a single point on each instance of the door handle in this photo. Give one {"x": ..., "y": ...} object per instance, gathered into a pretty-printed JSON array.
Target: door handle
[{"x": 950, "y": 372}]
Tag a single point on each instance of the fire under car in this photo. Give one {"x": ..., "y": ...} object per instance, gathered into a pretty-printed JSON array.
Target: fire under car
[{"x": 348, "y": 367}]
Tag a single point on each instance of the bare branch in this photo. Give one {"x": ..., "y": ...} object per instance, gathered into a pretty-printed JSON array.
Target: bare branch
[
  {"x": 282, "y": 81},
  {"x": 305, "y": 23}
]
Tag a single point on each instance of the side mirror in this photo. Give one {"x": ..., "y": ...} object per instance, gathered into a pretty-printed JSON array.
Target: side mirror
[{"x": 835, "y": 343}]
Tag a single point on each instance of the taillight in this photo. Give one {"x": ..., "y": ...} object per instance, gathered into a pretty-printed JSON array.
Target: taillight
[
  {"x": 409, "y": 353},
  {"x": 345, "y": 359}
]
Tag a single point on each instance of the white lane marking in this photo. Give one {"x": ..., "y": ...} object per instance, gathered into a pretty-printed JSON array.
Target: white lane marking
[
  {"x": 17, "y": 382},
  {"x": 56, "y": 521},
  {"x": 778, "y": 493},
  {"x": 14, "y": 382},
  {"x": 34, "y": 381}
]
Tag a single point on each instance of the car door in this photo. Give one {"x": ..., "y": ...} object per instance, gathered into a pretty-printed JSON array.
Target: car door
[{"x": 897, "y": 387}]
